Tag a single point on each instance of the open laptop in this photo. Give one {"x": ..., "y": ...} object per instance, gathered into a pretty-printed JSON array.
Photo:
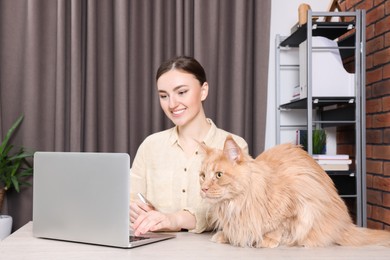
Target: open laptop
[{"x": 84, "y": 197}]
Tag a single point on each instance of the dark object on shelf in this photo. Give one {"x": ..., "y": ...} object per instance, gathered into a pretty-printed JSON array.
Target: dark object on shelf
[
  {"x": 295, "y": 28},
  {"x": 318, "y": 102},
  {"x": 338, "y": 29},
  {"x": 345, "y": 183},
  {"x": 322, "y": 29}
]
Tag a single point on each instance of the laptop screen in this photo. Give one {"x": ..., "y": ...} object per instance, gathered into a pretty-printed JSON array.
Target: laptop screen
[{"x": 82, "y": 197}]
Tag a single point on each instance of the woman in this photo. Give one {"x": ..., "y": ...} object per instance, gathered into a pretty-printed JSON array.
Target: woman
[{"x": 166, "y": 166}]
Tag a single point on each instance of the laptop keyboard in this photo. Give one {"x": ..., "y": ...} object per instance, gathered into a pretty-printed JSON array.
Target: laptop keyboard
[{"x": 135, "y": 238}]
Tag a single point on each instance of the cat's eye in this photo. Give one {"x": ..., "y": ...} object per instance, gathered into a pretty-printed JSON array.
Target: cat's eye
[
  {"x": 218, "y": 174},
  {"x": 201, "y": 176}
]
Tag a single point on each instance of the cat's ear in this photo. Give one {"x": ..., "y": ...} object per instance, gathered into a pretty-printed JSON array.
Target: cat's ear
[{"x": 231, "y": 150}]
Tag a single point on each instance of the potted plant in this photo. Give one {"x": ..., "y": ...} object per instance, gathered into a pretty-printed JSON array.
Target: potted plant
[
  {"x": 319, "y": 140},
  {"x": 14, "y": 169}
]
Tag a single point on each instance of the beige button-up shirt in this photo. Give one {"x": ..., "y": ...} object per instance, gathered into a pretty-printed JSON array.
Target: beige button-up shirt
[{"x": 169, "y": 179}]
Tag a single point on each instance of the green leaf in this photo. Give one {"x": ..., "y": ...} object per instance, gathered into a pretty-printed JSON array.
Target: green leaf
[
  {"x": 15, "y": 167},
  {"x": 15, "y": 182},
  {"x": 9, "y": 133}
]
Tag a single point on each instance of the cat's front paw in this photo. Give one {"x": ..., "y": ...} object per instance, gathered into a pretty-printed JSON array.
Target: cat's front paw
[
  {"x": 219, "y": 237},
  {"x": 269, "y": 243}
]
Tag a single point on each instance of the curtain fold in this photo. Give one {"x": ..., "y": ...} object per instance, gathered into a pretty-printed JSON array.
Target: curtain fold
[
  {"x": 234, "y": 49},
  {"x": 82, "y": 71}
]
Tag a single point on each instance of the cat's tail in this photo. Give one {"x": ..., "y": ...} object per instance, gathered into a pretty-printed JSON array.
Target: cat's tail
[{"x": 359, "y": 236}]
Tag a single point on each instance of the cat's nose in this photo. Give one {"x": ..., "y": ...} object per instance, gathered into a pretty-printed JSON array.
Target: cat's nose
[{"x": 205, "y": 189}]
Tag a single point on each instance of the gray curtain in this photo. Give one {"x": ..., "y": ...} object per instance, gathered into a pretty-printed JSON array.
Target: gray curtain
[{"x": 82, "y": 71}]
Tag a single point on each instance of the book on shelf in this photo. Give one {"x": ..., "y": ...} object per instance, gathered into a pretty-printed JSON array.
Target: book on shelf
[
  {"x": 325, "y": 161},
  {"x": 296, "y": 95},
  {"x": 335, "y": 167},
  {"x": 330, "y": 156},
  {"x": 333, "y": 162}
]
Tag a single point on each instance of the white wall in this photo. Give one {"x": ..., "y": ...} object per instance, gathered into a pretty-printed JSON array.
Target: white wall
[{"x": 284, "y": 15}]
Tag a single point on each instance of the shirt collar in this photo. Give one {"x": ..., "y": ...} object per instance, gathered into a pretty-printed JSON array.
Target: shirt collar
[{"x": 174, "y": 137}]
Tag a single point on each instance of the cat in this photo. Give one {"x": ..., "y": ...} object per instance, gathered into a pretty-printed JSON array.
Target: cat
[{"x": 281, "y": 198}]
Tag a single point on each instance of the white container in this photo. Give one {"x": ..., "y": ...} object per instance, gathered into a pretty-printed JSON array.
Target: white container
[
  {"x": 5, "y": 226},
  {"x": 329, "y": 77}
]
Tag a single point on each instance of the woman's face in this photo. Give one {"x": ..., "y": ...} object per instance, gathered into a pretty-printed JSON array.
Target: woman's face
[{"x": 181, "y": 96}]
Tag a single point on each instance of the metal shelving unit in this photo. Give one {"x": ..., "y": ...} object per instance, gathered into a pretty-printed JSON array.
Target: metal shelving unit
[{"x": 349, "y": 110}]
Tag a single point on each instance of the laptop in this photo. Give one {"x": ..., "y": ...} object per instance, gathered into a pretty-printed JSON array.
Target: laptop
[{"x": 84, "y": 197}]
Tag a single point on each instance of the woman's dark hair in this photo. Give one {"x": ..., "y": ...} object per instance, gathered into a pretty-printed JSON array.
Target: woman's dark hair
[{"x": 183, "y": 63}]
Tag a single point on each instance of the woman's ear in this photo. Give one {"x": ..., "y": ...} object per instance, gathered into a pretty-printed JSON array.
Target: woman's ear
[{"x": 204, "y": 91}]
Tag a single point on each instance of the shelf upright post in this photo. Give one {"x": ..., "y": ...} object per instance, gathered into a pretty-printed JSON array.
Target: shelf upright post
[
  {"x": 360, "y": 127},
  {"x": 277, "y": 88},
  {"x": 358, "y": 132},
  {"x": 309, "y": 83},
  {"x": 358, "y": 146},
  {"x": 363, "y": 113}
]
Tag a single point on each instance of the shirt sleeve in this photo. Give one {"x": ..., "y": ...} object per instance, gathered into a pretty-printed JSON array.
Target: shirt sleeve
[
  {"x": 138, "y": 173},
  {"x": 201, "y": 217}
]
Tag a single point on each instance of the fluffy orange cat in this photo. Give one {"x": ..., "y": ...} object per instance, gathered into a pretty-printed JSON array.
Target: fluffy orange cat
[{"x": 283, "y": 197}]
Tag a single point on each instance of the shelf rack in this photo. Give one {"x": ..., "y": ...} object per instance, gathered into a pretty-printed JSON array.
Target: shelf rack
[{"x": 350, "y": 37}]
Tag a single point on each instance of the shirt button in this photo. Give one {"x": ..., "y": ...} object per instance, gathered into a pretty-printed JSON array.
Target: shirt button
[
  {"x": 196, "y": 152},
  {"x": 183, "y": 190},
  {"x": 185, "y": 169}
]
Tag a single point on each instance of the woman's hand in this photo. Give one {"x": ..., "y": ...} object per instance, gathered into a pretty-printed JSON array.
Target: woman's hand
[
  {"x": 137, "y": 208},
  {"x": 155, "y": 221}
]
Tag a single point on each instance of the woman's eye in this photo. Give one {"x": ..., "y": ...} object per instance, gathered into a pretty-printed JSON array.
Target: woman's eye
[
  {"x": 163, "y": 96},
  {"x": 218, "y": 174},
  {"x": 182, "y": 92}
]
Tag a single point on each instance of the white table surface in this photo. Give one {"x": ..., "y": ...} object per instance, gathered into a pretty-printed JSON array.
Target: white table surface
[{"x": 22, "y": 245}]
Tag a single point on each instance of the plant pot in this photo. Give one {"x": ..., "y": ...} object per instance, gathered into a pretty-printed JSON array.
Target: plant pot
[
  {"x": 2, "y": 196},
  {"x": 5, "y": 226}
]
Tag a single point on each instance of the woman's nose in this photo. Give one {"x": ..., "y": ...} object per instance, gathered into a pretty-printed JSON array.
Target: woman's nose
[{"x": 172, "y": 102}]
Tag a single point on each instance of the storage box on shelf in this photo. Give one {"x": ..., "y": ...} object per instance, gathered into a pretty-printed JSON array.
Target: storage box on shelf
[{"x": 329, "y": 77}]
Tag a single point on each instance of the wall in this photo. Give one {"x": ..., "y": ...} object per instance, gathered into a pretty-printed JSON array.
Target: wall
[{"x": 377, "y": 108}]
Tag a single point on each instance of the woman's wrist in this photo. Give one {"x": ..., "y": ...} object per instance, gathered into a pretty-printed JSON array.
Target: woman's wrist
[{"x": 184, "y": 220}]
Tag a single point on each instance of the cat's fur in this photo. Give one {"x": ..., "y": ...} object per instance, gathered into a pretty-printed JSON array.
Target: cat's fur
[{"x": 283, "y": 197}]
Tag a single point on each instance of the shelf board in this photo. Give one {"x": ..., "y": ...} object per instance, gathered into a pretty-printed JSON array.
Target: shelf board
[
  {"x": 339, "y": 114},
  {"x": 318, "y": 102},
  {"x": 348, "y": 173},
  {"x": 337, "y": 29},
  {"x": 354, "y": 196}
]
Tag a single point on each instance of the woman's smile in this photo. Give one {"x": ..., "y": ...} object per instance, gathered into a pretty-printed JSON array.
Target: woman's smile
[{"x": 178, "y": 112}]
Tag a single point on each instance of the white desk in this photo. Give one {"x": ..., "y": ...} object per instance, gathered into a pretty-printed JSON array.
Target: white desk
[{"x": 22, "y": 245}]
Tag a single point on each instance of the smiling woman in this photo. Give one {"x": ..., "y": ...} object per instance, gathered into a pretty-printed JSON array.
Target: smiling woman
[
  {"x": 82, "y": 72},
  {"x": 181, "y": 96},
  {"x": 167, "y": 163}
]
